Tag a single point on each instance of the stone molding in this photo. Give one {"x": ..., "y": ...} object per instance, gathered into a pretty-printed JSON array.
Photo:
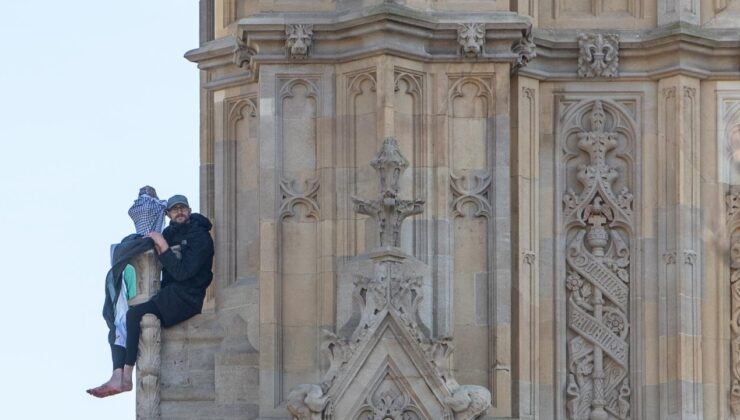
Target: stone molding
[
  {"x": 427, "y": 37},
  {"x": 678, "y": 49}
]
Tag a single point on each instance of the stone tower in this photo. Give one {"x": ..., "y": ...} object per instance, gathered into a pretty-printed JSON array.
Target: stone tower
[{"x": 579, "y": 250}]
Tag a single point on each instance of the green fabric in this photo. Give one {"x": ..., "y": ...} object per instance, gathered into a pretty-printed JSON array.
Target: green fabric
[{"x": 129, "y": 276}]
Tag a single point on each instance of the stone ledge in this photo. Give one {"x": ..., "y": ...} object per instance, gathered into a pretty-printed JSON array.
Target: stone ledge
[
  {"x": 344, "y": 37},
  {"x": 705, "y": 53}
]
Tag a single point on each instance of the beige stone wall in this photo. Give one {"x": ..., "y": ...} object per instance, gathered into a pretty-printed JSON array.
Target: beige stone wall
[{"x": 501, "y": 148}]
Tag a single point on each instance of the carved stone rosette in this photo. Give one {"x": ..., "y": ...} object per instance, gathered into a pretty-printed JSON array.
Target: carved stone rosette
[
  {"x": 733, "y": 221},
  {"x": 598, "y": 55},
  {"x": 597, "y": 222}
]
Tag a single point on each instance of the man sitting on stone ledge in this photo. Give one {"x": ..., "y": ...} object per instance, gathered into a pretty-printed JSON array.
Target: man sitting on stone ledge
[{"x": 186, "y": 275}]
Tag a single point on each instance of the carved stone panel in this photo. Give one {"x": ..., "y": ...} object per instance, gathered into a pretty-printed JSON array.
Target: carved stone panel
[
  {"x": 298, "y": 238},
  {"x": 240, "y": 163},
  {"x": 410, "y": 132},
  {"x": 594, "y": 8},
  {"x": 598, "y": 226},
  {"x": 469, "y": 119},
  {"x": 356, "y": 178},
  {"x": 728, "y": 123}
]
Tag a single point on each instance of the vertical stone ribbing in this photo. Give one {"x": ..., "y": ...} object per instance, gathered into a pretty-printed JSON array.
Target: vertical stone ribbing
[
  {"x": 298, "y": 236},
  {"x": 679, "y": 245},
  {"x": 470, "y": 125},
  {"x": 525, "y": 239}
]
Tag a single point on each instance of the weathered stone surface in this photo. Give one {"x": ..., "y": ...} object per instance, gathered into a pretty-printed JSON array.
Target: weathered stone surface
[{"x": 575, "y": 249}]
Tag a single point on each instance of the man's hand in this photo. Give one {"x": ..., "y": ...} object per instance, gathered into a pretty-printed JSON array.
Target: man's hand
[{"x": 160, "y": 244}]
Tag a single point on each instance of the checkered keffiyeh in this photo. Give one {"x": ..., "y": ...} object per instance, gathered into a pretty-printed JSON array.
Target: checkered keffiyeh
[{"x": 147, "y": 214}]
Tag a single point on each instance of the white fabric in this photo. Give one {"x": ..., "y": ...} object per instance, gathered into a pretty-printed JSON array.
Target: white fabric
[{"x": 120, "y": 321}]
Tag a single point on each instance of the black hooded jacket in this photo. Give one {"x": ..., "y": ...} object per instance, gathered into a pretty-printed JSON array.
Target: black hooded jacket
[{"x": 185, "y": 278}]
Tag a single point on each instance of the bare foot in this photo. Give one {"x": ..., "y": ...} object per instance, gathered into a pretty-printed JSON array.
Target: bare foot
[
  {"x": 127, "y": 383},
  {"x": 112, "y": 387}
]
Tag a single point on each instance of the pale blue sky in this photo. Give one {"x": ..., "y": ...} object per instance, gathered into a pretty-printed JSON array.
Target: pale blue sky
[{"x": 96, "y": 101}]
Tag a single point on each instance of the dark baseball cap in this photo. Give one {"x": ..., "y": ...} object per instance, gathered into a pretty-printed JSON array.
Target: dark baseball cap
[{"x": 177, "y": 199}]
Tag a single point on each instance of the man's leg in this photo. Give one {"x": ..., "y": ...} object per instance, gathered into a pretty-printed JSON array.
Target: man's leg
[
  {"x": 118, "y": 354},
  {"x": 133, "y": 327},
  {"x": 124, "y": 359}
]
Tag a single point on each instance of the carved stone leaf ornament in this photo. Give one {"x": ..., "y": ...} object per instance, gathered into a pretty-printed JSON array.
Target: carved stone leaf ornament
[
  {"x": 598, "y": 55},
  {"x": 298, "y": 40},
  {"x": 471, "y": 37},
  {"x": 414, "y": 385},
  {"x": 597, "y": 282}
]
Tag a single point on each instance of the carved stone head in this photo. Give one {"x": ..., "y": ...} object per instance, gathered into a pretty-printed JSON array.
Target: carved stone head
[
  {"x": 471, "y": 37},
  {"x": 298, "y": 40}
]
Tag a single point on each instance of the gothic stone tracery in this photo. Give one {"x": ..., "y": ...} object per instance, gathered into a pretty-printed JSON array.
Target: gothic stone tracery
[{"x": 597, "y": 222}]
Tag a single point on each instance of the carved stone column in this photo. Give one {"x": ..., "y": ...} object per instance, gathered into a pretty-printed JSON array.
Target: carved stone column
[
  {"x": 148, "y": 363},
  {"x": 147, "y": 369},
  {"x": 525, "y": 243},
  {"x": 679, "y": 244}
]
